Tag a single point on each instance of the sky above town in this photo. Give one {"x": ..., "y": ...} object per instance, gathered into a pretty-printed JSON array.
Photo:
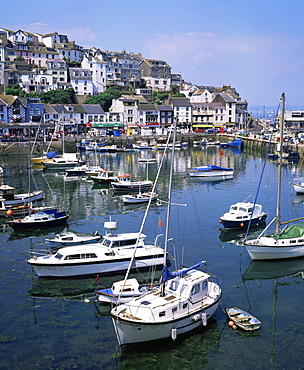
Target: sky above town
[{"x": 256, "y": 46}]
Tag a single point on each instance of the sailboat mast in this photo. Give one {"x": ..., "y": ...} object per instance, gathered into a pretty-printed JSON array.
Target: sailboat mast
[
  {"x": 278, "y": 207},
  {"x": 169, "y": 202}
]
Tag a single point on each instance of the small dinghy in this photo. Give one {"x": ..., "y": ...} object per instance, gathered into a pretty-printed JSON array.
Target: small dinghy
[
  {"x": 70, "y": 238},
  {"x": 124, "y": 291},
  {"x": 243, "y": 319}
]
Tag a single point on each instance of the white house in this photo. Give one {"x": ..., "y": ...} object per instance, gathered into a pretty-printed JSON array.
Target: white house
[
  {"x": 97, "y": 68},
  {"x": 201, "y": 96},
  {"x": 81, "y": 81}
]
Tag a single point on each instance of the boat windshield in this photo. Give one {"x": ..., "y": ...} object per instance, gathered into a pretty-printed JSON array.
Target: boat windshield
[{"x": 58, "y": 256}]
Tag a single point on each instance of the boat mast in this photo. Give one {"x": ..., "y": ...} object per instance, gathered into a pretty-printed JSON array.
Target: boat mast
[
  {"x": 278, "y": 207},
  {"x": 169, "y": 203}
]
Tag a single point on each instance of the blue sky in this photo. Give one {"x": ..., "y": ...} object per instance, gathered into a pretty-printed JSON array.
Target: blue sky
[{"x": 257, "y": 46}]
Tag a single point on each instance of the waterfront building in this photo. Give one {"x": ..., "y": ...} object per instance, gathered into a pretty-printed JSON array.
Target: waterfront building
[
  {"x": 81, "y": 81},
  {"x": 182, "y": 110},
  {"x": 156, "y": 73}
]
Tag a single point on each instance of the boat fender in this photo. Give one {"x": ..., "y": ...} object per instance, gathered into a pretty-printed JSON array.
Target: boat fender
[
  {"x": 173, "y": 333},
  {"x": 18, "y": 220},
  {"x": 220, "y": 221},
  {"x": 204, "y": 318},
  {"x": 242, "y": 224}
]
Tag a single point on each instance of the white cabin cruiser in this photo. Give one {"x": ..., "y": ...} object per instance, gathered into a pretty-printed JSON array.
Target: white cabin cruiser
[{"x": 112, "y": 254}]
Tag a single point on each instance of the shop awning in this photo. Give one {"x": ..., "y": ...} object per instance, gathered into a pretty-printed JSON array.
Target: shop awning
[
  {"x": 107, "y": 125},
  {"x": 198, "y": 126}
]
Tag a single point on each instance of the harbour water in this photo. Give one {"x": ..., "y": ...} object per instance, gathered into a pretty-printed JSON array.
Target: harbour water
[{"x": 48, "y": 324}]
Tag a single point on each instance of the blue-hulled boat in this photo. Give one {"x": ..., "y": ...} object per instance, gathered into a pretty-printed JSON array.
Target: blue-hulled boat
[
  {"x": 241, "y": 214},
  {"x": 209, "y": 170},
  {"x": 236, "y": 143}
]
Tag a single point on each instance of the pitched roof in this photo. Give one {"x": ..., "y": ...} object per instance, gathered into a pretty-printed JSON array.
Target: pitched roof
[
  {"x": 92, "y": 108},
  {"x": 180, "y": 102}
]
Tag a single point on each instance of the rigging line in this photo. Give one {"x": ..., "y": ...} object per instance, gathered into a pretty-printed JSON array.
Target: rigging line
[
  {"x": 199, "y": 226},
  {"x": 146, "y": 212},
  {"x": 259, "y": 185}
]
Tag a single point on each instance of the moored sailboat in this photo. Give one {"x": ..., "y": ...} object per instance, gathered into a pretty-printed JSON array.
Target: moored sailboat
[
  {"x": 283, "y": 243},
  {"x": 186, "y": 299}
]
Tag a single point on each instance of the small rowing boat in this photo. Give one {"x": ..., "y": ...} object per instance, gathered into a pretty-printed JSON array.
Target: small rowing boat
[{"x": 243, "y": 319}]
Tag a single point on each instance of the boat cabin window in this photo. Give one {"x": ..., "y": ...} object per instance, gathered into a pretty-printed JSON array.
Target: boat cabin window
[
  {"x": 184, "y": 288},
  {"x": 195, "y": 289},
  {"x": 204, "y": 284},
  {"x": 185, "y": 305},
  {"x": 162, "y": 314},
  {"x": 58, "y": 256},
  {"x": 80, "y": 256},
  {"x": 106, "y": 242},
  {"x": 173, "y": 285},
  {"x": 174, "y": 309},
  {"x": 124, "y": 243},
  {"x": 233, "y": 208}
]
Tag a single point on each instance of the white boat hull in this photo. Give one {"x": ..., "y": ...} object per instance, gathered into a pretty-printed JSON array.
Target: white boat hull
[
  {"x": 109, "y": 264},
  {"x": 259, "y": 252},
  {"x": 139, "y": 198},
  {"x": 299, "y": 188},
  {"x": 225, "y": 175},
  {"x": 134, "y": 332}
]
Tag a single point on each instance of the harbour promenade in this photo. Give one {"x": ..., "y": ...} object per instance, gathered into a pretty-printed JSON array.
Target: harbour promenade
[{"x": 253, "y": 141}]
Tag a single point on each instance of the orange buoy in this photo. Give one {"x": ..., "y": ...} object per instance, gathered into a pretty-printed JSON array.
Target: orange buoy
[
  {"x": 9, "y": 212},
  {"x": 230, "y": 323},
  {"x": 242, "y": 224}
]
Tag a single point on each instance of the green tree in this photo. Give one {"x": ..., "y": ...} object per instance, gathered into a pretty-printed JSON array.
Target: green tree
[
  {"x": 59, "y": 96},
  {"x": 104, "y": 99}
]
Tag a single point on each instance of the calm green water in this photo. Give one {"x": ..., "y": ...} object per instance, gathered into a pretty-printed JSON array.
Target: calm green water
[{"x": 45, "y": 323}]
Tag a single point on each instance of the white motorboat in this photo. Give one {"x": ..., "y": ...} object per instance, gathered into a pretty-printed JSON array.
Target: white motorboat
[
  {"x": 65, "y": 161},
  {"x": 77, "y": 170},
  {"x": 96, "y": 170},
  {"x": 211, "y": 171},
  {"x": 298, "y": 185},
  {"x": 242, "y": 214},
  {"x": 40, "y": 219},
  {"x": 104, "y": 178},
  {"x": 139, "y": 198},
  {"x": 124, "y": 291},
  {"x": 125, "y": 183},
  {"x": 112, "y": 254},
  {"x": 186, "y": 299},
  {"x": 283, "y": 243},
  {"x": 68, "y": 238},
  {"x": 10, "y": 198}
]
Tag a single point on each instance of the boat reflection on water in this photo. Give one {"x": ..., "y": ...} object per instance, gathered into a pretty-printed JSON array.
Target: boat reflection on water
[
  {"x": 18, "y": 235},
  {"x": 77, "y": 289},
  {"x": 274, "y": 269},
  {"x": 191, "y": 347},
  {"x": 82, "y": 288},
  {"x": 234, "y": 235},
  {"x": 298, "y": 199}
]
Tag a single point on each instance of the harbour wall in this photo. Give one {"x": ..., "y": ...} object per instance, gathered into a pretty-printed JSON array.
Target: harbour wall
[{"x": 252, "y": 141}]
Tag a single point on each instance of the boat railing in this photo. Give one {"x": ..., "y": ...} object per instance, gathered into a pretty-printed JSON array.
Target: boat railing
[{"x": 216, "y": 280}]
